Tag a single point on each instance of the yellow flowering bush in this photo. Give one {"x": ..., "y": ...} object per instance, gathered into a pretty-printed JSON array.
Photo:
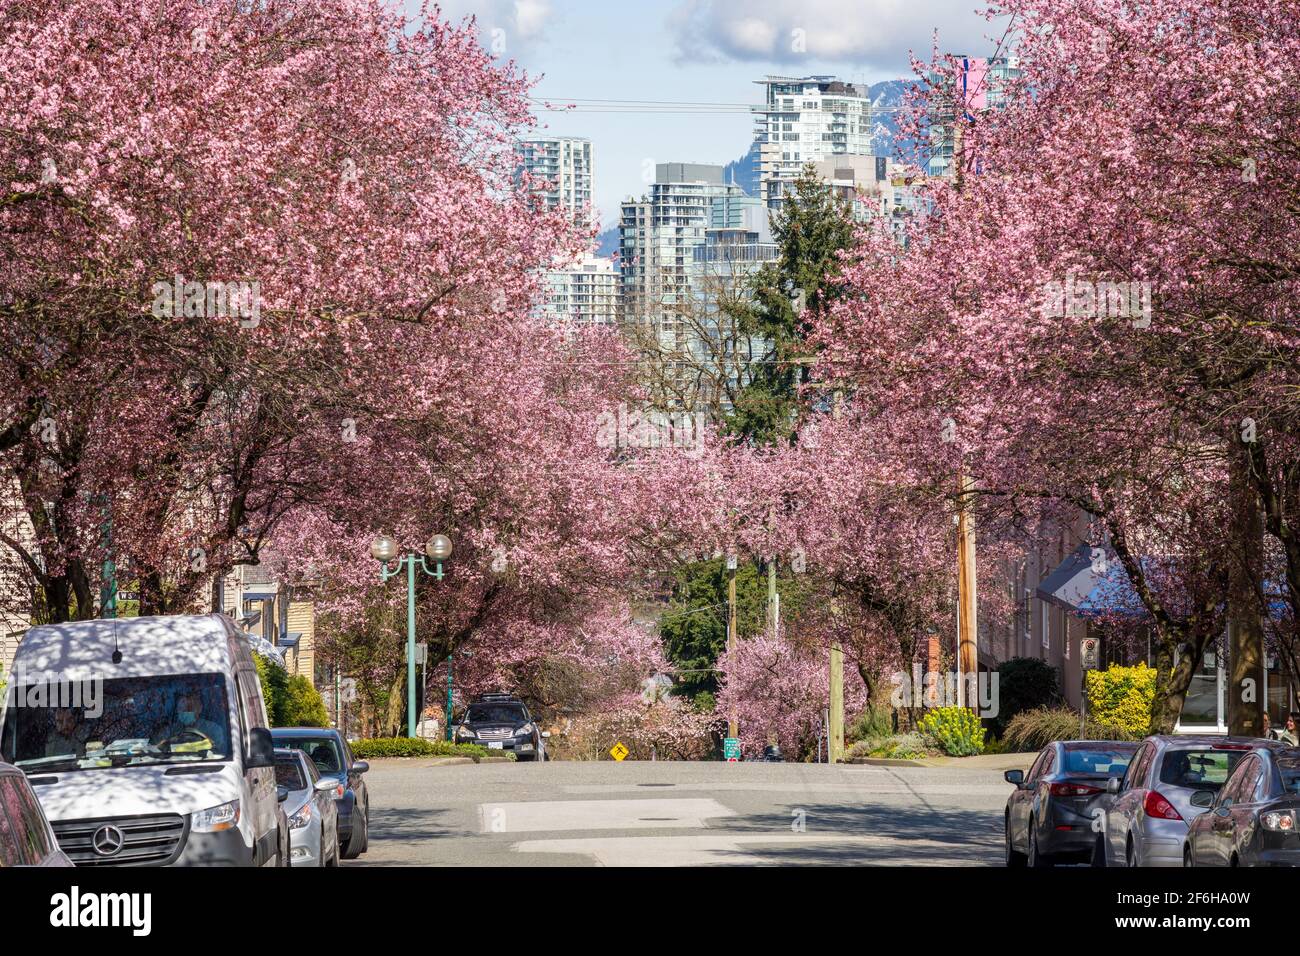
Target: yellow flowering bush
[
  {"x": 1121, "y": 697},
  {"x": 956, "y": 729}
]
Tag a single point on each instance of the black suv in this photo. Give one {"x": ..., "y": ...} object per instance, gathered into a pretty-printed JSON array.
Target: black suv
[{"x": 502, "y": 722}]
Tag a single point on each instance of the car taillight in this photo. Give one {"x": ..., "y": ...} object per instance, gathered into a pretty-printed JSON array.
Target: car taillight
[
  {"x": 1157, "y": 806},
  {"x": 1282, "y": 820},
  {"x": 1073, "y": 790}
]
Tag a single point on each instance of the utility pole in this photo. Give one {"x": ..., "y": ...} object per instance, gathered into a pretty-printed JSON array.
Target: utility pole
[
  {"x": 773, "y": 599},
  {"x": 733, "y": 724},
  {"x": 967, "y": 647},
  {"x": 835, "y": 737}
]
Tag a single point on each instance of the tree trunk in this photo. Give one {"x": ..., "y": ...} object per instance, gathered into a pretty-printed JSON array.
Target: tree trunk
[{"x": 1245, "y": 692}]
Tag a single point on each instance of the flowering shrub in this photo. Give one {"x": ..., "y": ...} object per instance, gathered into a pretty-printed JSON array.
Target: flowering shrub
[
  {"x": 956, "y": 729},
  {"x": 1121, "y": 697},
  {"x": 670, "y": 731}
]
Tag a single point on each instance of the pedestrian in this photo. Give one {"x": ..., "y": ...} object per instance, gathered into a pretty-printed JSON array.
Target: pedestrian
[
  {"x": 1268, "y": 728},
  {"x": 1289, "y": 735}
]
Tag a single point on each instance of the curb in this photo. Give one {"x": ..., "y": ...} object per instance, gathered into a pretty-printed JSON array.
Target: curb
[
  {"x": 888, "y": 762},
  {"x": 436, "y": 761}
]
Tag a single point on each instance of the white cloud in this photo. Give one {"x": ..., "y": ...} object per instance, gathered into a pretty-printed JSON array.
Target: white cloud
[
  {"x": 875, "y": 33},
  {"x": 512, "y": 25}
]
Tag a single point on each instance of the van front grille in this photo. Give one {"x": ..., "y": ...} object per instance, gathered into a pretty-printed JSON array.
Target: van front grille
[{"x": 139, "y": 841}]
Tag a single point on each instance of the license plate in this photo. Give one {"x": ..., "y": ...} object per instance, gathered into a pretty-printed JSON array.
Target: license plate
[{"x": 495, "y": 745}]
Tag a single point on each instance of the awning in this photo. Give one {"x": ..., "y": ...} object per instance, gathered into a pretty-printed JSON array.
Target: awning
[
  {"x": 291, "y": 639},
  {"x": 1088, "y": 590}
]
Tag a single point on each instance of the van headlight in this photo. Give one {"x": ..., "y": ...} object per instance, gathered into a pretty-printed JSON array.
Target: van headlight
[
  {"x": 215, "y": 819},
  {"x": 301, "y": 818}
]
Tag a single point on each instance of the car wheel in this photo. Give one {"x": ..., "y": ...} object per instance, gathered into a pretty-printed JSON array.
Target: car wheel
[
  {"x": 1015, "y": 859},
  {"x": 1037, "y": 860},
  {"x": 1131, "y": 855},
  {"x": 359, "y": 841},
  {"x": 1187, "y": 857},
  {"x": 1235, "y": 861}
]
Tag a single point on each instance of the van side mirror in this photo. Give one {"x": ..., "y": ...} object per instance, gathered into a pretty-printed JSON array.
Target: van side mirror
[
  {"x": 1112, "y": 785},
  {"x": 261, "y": 749}
]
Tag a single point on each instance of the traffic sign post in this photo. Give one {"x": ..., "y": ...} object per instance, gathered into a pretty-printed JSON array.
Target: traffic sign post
[
  {"x": 1089, "y": 660},
  {"x": 618, "y": 751},
  {"x": 731, "y": 749}
]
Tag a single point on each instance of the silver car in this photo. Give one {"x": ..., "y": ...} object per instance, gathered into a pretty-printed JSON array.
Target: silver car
[
  {"x": 1145, "y": 815},
  {"x": 309, "y": 805}
]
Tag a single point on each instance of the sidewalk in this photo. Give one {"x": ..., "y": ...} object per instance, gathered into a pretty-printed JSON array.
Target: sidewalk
[{"x": 995, "y": 762}]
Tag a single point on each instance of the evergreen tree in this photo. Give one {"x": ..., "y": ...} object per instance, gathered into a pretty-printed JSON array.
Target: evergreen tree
[{"x": 811, "y": 228}]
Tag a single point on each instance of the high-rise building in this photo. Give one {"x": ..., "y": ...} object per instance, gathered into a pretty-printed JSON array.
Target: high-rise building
[
  {"x": 567, "y": 165},
  {"x": 583, "y": 293},
  {"x": 806, "y": 120},
  {"x": 659, "y": 232},
  {"x": 978, "y": 84}
]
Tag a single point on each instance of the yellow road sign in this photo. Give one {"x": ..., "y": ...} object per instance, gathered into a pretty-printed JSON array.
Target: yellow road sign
[{"x": 618, "y": 751}]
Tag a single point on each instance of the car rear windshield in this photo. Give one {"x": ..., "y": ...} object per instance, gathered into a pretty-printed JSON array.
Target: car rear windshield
[
  {"x": 495, "y": 714},
  {"x": 322, "y": 751},
  {"x": 289, "y": 774},
  {"x": 1289, "y": 768},
  {"x": 121, "y": 721},
  {"x": 1199, "y": 768},
  {"x": 1099, "y": 761}
]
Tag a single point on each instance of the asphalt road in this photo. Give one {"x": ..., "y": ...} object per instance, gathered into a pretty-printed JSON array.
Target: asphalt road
[{"x": 681, "y": 814}]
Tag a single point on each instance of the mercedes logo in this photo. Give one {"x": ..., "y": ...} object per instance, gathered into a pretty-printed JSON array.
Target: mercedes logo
[{"x": 107, "y": 840}]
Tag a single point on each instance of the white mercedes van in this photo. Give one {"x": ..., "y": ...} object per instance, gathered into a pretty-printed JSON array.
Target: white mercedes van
[{"x": 146, "y": 742}]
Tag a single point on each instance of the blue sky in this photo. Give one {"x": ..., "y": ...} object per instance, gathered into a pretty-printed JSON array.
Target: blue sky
[{"x": 701, "y": 51}]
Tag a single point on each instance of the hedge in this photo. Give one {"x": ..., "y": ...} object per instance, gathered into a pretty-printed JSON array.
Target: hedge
[{"x": 373, "y": 747}]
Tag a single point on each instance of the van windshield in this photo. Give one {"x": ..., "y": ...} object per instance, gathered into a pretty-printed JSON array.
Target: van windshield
[{"x": 59, "y": 726}]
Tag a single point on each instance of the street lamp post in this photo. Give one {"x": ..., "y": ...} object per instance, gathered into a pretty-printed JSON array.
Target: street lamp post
[{"x": 384, "y": 550}]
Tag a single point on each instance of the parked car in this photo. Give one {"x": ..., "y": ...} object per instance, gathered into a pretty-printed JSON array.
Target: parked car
[
  {"x": 1049, "y": 816},
  {"x": 311, "y": 808},
  {"x": 1253, "y": 819},
  {"x": 330, "y": 752},
  {"x": 1147, "y": 811},
  {"x": 155, "y": 750},
  {"x": 502, "y": 722},
  {"x": 26, "y": 837}
]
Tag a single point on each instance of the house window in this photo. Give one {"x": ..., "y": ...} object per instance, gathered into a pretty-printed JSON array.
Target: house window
[{"x": 1046, "y": 625}]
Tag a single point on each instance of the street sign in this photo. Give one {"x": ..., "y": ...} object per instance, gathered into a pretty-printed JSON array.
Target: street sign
[
  {"x": 731, "y": 749},
  {"x": 348, "y": 690},
  {"x": 1090, "y": 653},
  {"x": 421, "y": 653},
  {"x": 618, "y": 751}
]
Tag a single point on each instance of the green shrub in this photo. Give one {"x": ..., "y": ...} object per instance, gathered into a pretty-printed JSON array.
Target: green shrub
[
  {"x": 1035, "y": 729},
  {"x": 1121, "y": 697},
  {"x": 417, "y": 747},
  {"x": 899, "y": 747},
  {"x": 1024, "y": 683},
  {"x": 956, "y": 730},
  {"x": 873, "y": 723},
  {"x": 290, "y": 701},
  {"x": 303, "y": 705}
]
